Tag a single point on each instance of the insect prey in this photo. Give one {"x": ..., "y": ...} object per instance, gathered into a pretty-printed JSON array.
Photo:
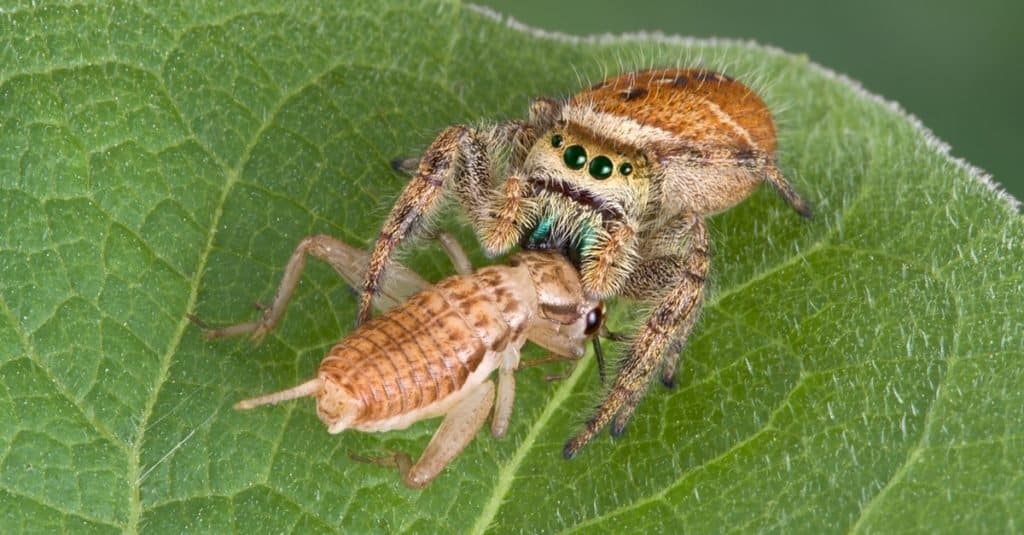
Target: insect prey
[{"x": 432, "y": 354}]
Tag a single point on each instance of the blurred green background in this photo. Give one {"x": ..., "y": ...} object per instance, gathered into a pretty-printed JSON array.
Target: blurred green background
[{"x": 952, "y": 63}]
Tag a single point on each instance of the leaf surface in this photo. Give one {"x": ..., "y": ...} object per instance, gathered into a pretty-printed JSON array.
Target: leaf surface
[{"x": 857, "y": 372}]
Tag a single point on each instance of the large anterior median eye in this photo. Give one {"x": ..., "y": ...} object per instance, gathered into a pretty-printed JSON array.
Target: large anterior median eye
[
  {"x": 601, "y": 167},
  {"x": 575, "y": 157}
]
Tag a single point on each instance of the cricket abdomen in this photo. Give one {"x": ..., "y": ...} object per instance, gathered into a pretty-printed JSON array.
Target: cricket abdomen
[{"x": 419, "y": 358}]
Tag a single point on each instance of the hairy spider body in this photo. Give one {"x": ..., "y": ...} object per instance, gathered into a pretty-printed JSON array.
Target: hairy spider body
[{"x": 620, "y": 178}]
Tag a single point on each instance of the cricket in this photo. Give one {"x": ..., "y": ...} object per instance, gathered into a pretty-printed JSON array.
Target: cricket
[{"x": 432, "y": 354}]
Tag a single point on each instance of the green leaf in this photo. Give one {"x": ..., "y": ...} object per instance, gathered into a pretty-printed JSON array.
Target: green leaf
[{"x": 860, "y": 371}]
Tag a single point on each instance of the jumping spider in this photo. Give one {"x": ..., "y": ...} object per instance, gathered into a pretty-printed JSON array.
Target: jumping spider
[{"x": 620, "y": 178}]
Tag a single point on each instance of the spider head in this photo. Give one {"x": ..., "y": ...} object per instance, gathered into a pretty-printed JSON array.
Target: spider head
[{"x": 580, "y": 185}]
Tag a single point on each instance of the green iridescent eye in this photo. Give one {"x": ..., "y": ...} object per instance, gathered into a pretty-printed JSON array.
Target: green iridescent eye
[
  {"x": 626, "y": 168},
  {"x": 601, "y": 167},
  {"x": 556, "y": 141},
  {"x": 575, "y": 157}
]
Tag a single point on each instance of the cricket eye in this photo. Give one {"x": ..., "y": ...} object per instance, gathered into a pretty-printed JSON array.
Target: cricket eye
[
  {"x": 575, "y": 157},
  {"x": 595, "y": 318},
  {"x": 601, "y": 167}
]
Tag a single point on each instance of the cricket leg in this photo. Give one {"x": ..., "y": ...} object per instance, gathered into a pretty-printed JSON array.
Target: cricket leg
[
  {"x": 455, "y": 253},
  {"x": 506, "y": 391},
  {"x": 347, "y": 260},
  {"x": 456, "y": 431}
]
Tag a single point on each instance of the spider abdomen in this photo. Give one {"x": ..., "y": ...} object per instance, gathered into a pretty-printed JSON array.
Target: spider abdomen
[{"x": 699, "y": 108}]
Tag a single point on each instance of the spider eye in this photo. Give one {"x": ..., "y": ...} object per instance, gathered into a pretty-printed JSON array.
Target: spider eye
[
  {"x": 557, "y": 141},
  {"x": 626, "y": 168},
  {"x": 575, "y": 157},
  {"x": 595, "y": 318},
  {"x": 601, "y": 167}
]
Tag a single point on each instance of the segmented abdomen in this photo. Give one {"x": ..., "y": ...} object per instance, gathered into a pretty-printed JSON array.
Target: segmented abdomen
[{"x": 425, "y": 349}]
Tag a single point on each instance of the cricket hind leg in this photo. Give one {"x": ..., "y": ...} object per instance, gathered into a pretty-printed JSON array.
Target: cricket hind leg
[
  {"x": 456, "y": 431},
  {"x": 349, "y": 261}
]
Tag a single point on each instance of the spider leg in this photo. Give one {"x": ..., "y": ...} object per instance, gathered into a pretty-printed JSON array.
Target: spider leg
[
  {"x": 675, "y": 282},
  {"x": 406, "y": 165},
  {"x": 785, "y": 189},
  {"x": 605, "y": 271},
  {"x": 457, "y": 159},
  {"x": 544, "y": 111},
  {"x": 460, "y": 162}
]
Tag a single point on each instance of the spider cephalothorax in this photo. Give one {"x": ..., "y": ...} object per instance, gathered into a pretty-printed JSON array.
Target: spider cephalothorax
[
  {"x": 620, "y": 178},
  {"x": 584, "y": 198}
]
